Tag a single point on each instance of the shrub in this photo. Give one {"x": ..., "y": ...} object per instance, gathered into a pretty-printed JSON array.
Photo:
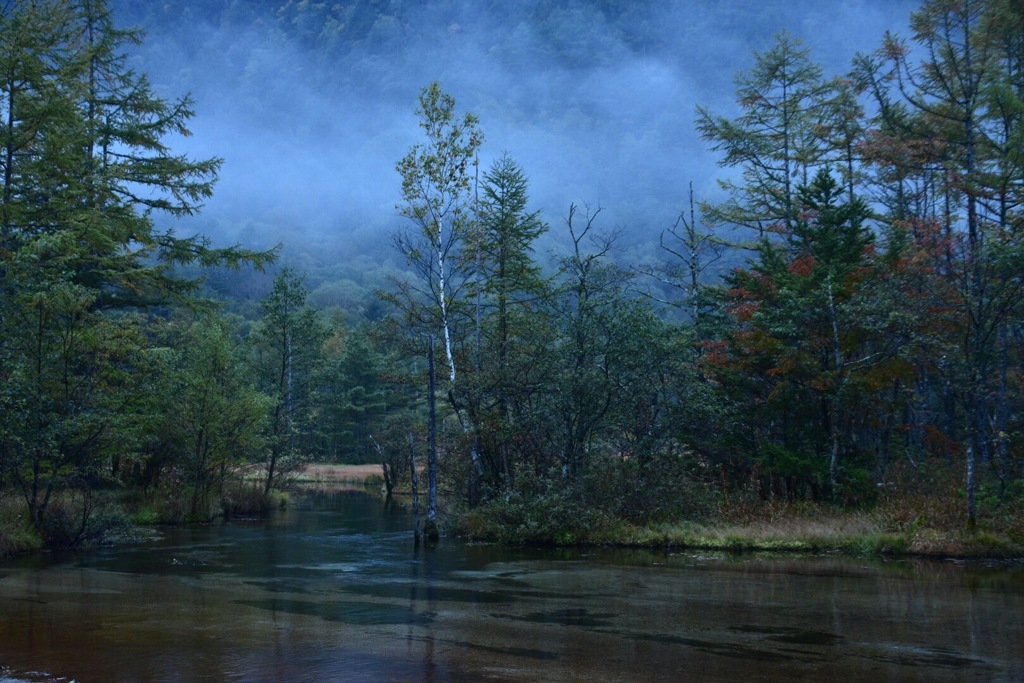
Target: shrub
[
  {"x": 657, "y": 488},
  {"x": 245, "y": 501},
  {"x": 16, "y": 535},
  {"x": 145, "y": 516},
  {"x": 926, "y": 497},
  {"x": 553, "y": 517},
  {"x": 74, "y": 518}
]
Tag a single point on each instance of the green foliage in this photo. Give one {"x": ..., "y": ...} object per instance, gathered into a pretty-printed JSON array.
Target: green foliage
[
  {"x": 777, "y": 461},
  {"x": 67, "y": 370},
  {"x": 776, "y": 142},
  {"x": 83, "y": 152},
  {"x": 17, "y": 534},
  {"x": 802, "y": 331},
  {"x": 145, "y": 516},
  {"x": 214, "y": 418},
  {"x": 84, "y": 171},
  {"x": 572, "y": 405},
  {"x": 553, "y": 517},
  {"x": 436, "y": 184},
  {"x": 651, "y": 488},
  {"x": 601, "y": 337},
  {"x": 288, "y": 365},
  {"x": 245, "y": 499},
  {"x": 357, "y": 399},
  {"x": 437, "y": 200},
  {"x": 508, "y": 289},
  {"x": 83, "y": 517}
]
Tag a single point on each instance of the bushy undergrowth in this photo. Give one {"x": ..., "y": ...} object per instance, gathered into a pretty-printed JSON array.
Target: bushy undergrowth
[
  {"x": 554, "y": 517},
  {"x": 913, "y": 499},
  {"x": 78, "y": 517},
  {"x": 246, "y": 501},
  {"x": 172, "y": 503},
  {"x": 931, "y": 502},
  {"x": 655, "y": 489},
  {"x": 16, "y": 534},
  {"x": 916, "y": 513},
  {"x": 72, "y": 518},
  {"x": 613, "y": 494}
]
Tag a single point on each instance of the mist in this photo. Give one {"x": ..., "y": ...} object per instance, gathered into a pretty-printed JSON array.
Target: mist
[{"x": 596, "y": 104}]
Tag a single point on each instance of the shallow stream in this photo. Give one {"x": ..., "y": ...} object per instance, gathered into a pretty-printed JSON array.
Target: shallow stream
[{"x": 334, "y": 589}]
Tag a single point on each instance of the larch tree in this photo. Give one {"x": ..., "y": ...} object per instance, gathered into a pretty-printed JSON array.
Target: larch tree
[
  {"x": 777, "y": 141},
  {"x": 954, "y": 117},
  {"x": 84, "y": 172}
]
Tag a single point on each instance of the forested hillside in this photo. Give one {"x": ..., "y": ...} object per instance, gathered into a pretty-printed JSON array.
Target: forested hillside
[
  {"x": 308, "y": 103},
  {"x": 837, "y": 327}
]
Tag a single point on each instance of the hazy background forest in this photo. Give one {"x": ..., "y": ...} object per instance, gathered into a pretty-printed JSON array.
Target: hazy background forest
[
  {"x": 679, "y": 263},
  {"x": 308, "y": 103}
]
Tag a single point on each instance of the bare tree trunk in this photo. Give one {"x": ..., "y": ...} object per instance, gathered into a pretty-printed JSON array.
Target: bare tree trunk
[
  {"x": 414, "y": 480},
  {"x": 430, "y": 530},
  {"x": 970, "y": 485},
  {"x": 387, "y": 468}
]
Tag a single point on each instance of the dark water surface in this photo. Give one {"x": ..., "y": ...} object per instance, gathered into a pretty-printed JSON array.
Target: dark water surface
[{"x": 334, "y": 590}]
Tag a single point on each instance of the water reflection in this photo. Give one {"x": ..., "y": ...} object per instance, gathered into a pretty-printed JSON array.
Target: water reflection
[{"x": 333, "y": 588}]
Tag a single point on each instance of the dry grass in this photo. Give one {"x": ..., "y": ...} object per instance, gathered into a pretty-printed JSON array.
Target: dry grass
[
  {"x": 860, "y": 533},
  {"x": 324, "y": 473},
  {"x": 820, "y": 531},
  {"x": 796, "y": 532}
]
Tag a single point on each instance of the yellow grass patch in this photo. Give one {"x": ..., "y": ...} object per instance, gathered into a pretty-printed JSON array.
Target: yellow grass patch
[{"x": 357, "y": 474}]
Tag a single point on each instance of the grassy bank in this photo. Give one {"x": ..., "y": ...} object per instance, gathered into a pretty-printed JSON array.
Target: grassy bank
[
  {"x": 849, "y": 534},
  {"x": 902, "y": 523},
  {"x": 77, "y": 518},
  {"x": 854, "y": 534},
  {"x": 909, "y": 526}
]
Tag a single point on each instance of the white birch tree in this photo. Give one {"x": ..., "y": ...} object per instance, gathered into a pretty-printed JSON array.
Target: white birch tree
[{"x": 438, "y": 183}]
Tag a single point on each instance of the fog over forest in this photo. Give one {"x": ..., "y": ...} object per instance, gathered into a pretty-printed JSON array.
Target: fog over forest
[{"x": 595, "y": 99}]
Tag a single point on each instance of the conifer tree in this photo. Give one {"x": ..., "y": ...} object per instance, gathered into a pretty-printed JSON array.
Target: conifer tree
[
  {"x": 777, "y": 142},
  {"x": 950, "y": 125},
  {"x": 287, "y": 346},
  {"x": 85, "y": 172},
  {"x": 510, "y": 284}
]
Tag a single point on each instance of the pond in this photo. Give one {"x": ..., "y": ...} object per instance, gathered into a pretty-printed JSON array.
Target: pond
[{"x": 334, "y": 589}]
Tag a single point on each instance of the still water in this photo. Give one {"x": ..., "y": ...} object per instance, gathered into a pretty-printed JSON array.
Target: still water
[{"x": 334, "y": 590}]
